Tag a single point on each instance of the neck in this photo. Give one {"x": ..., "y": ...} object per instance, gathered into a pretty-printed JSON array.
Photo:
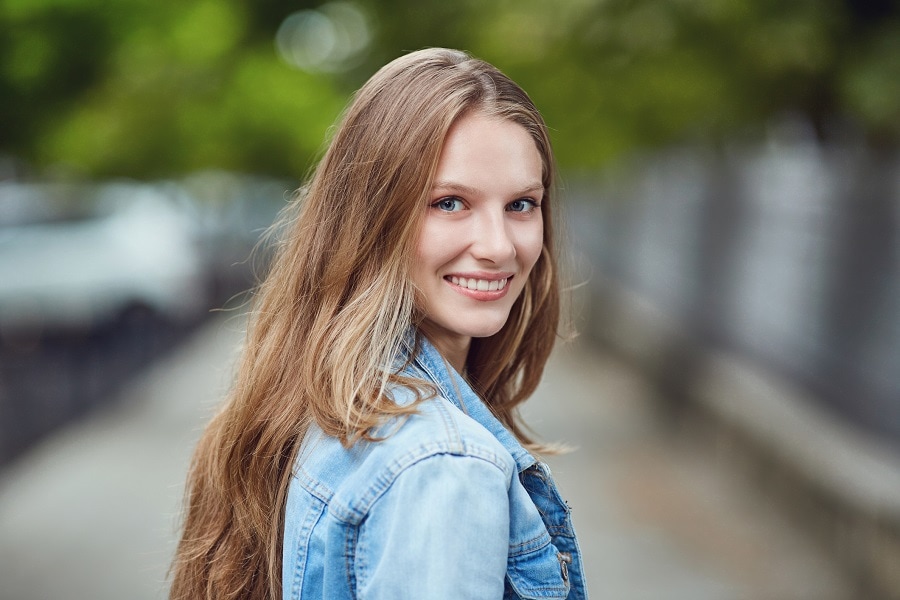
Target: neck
[{"x": 454, "y": 349}]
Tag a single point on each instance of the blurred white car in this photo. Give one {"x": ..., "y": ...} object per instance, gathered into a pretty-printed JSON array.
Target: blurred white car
[{"x": 75, "y": 257}]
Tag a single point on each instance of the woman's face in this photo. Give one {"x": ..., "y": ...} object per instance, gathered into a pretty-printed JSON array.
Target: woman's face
[{"x": 483, "y": 230}]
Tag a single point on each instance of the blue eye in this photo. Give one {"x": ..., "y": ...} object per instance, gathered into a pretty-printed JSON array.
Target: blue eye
[
  {"x": 449, "y": 204},
  {"x": 522, "y": 205}
]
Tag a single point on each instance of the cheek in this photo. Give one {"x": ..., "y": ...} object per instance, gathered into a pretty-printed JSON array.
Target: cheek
[
  {"x": 428, "y": 242},
  {"x": 530, "y": 245},
  {"x": 438, "y": 243}
]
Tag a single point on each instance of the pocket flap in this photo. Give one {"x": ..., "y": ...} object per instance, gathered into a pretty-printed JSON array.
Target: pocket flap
[{"x": 538, "y": 574}]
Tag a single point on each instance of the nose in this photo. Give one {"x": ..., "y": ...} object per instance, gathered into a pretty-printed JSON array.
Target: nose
[{"x": 492, "y": 238}]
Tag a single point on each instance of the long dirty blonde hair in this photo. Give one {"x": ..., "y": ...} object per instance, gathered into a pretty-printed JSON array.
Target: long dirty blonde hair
[{"x": 335, "y": 307}]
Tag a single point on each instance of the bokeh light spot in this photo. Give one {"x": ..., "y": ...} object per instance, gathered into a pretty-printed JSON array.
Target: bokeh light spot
[{"x": 330, "y": 39}]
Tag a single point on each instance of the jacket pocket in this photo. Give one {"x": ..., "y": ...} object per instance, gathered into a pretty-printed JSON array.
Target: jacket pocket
[{"x": 541, "y": 573}]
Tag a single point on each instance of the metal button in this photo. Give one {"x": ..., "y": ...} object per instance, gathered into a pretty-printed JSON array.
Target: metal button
[{"x": 565, "y": 559}]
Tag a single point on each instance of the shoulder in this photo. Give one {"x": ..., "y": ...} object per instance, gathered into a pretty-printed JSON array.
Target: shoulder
[
  {"x": 422, "y": 444},
  {"x": 440, "y": 427}
]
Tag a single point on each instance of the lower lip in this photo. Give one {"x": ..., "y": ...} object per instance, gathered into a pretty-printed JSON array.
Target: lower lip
[{"x": 481, "y": 296}]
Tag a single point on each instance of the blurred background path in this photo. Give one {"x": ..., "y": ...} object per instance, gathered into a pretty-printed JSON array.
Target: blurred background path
[{"x": 91, "y": 512}]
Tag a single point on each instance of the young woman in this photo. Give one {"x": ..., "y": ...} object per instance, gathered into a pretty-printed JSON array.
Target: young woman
[{"x": 371, "y": 447}]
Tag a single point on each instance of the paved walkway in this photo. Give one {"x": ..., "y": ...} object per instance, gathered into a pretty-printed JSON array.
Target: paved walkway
[{"x": 91, "y": 513}]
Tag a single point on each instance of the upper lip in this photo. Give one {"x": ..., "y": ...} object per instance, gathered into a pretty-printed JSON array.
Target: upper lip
[{"x": 481, "y": 275}]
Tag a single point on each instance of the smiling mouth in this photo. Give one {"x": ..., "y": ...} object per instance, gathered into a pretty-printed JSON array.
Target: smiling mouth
[{"x": 479, "y": 285}]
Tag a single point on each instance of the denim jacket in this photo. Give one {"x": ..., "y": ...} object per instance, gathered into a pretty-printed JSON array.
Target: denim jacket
[{"x": 448, "y": 505}]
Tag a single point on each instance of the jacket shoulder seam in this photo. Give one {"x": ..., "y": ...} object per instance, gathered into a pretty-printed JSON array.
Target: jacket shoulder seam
[{"x": 355, "y": 511}]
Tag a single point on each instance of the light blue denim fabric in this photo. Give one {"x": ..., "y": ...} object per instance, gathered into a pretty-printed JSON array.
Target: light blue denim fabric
[{"x": 449, "y": 505}]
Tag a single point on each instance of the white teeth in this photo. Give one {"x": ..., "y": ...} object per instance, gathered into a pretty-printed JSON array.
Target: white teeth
[{"x": 480, "y": 285}]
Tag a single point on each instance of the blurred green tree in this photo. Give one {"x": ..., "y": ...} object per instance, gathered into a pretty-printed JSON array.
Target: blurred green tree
[
  {"x": 613, "y": 76},
  {"x": 146, "y": 89}
]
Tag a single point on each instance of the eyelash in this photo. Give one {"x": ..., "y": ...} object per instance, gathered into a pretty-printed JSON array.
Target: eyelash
[{"x": 533, "y": 204}]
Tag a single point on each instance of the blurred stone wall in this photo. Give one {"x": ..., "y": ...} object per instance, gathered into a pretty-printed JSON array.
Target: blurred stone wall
[{"x": 787, "y": 253}]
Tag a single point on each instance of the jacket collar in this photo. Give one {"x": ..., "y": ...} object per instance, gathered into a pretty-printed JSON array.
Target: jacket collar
[{"x": 428, "y": 362}]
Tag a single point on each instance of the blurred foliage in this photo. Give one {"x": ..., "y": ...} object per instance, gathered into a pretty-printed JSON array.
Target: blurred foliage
[{"x": 146, "y": 89}]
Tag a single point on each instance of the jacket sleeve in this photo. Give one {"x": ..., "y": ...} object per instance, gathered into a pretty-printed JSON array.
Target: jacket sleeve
[{"x": 440, "y": 531}]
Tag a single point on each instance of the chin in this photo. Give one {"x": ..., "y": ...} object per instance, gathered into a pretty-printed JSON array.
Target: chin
[{"x": 487, "y": 331}]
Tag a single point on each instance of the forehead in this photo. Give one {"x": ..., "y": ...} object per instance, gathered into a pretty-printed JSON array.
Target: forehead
[{"x": 487, "y": 151}]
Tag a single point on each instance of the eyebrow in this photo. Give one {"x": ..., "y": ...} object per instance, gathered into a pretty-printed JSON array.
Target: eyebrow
[{"x": 470, "y": 191}]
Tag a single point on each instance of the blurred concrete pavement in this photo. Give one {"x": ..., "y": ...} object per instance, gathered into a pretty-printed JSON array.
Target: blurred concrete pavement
[{"x": 92, "y": 512}]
